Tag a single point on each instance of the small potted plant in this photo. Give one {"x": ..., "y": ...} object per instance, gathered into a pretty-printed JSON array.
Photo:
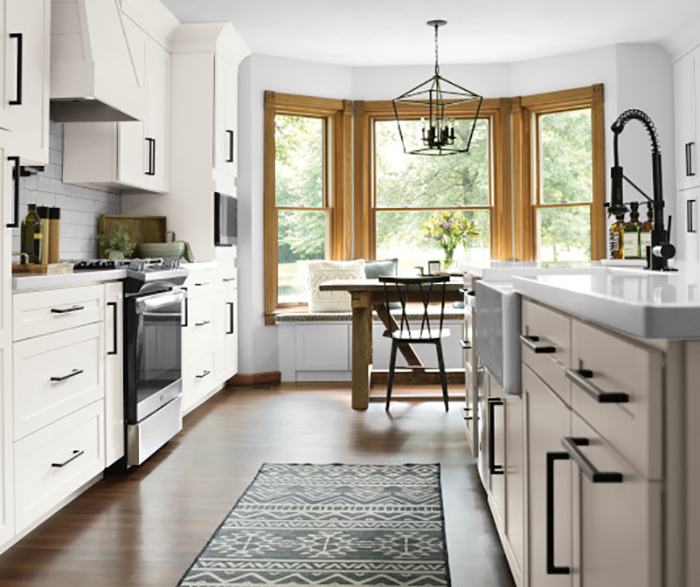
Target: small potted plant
[
  {"x": 115, "y": 245},
  {"x": 450, "y": 229}
]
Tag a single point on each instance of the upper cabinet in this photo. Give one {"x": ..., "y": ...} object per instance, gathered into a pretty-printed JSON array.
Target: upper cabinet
[
  {"x": 203, "y": 134},
  {"x": 225, "y": 119},
  {"x": 25, "y": 26},
  {"x": 129, "y": 156},
  {"x": 687, "y": 91}
]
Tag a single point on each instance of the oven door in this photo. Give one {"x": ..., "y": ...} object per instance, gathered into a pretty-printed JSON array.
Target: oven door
[{"x": 154, "y": 353}]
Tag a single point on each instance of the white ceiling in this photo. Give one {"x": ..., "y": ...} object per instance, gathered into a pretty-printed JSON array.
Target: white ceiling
[{"x": 393, "y": 32}]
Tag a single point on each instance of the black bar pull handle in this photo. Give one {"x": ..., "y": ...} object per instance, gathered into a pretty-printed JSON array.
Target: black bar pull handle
[
  {"x": 494, "y": 469},
  {"x": 20, "y": 69},
  {"x": 571, "y": 446},
  {"x": 67, "y": 310},
  {"x": 186, "y": 309},
  {"x": 70, "y": 459},
  {"x": 689, "y": 159},
  {"x": 536, "y": 346},
  {"x": 73, "y": 373},
  {"x": 15, "y": 183},
  {"x": 231, "y": 146},
  {"x": 203, "y": 375},
  {"x": 465, "y": 344},
  {"x": 231, "y": 320},
  {"x": 690, "y": 215},
  {"x": 151, "y": 156},
  {"x": 114, "y": 350},
  {"x": 581, "y": 378},
  {"x": 553, "y": 569},
  {"x": 202, "y": 323}
]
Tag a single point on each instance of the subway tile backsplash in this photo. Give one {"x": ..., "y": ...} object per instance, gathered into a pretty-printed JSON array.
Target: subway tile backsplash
[{"x": 81, "y": 208}]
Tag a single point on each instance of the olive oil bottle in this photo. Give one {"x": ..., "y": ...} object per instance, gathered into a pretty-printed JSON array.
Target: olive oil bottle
[
  {"x": 633, "y": 229},
  {"x": 615, "y": 235},
  {"x": 32, "y": 236},
  {"x": 647, "y": 227}
]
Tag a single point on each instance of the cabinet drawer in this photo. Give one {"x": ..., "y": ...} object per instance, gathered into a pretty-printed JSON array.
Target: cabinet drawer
[
  {"x": 612, "y": 365},
  {"x": 551, "y": 332},
  {"x": 56, "y": 461},
  {"x": 45, "y": 312},
  {"x": 617, "y": 527},
  {"x": 200, "y": 330},
  {"x": 200, "y": 282},
  {"x": 55, "y": 375},
  {"x": 198, "y": 379}
]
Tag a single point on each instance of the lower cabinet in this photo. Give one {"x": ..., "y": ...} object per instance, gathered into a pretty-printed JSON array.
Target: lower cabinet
[
  {"x": 113, "y": 352},
  {"x": 549, "y": 484},
  {"x": 503, "y": 468},
  {"x": 55, "y": 461},
  {"x": 7, "y": 512}
]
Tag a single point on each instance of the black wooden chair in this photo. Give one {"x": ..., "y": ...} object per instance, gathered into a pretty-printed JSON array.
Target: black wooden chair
[{"x": 427, "y": 289}]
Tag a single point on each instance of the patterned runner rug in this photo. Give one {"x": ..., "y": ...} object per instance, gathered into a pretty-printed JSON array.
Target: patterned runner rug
[{"x": 330, "y": 526}]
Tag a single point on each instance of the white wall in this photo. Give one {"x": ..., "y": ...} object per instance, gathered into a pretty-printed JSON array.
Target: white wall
[
  {"x": 258, "y": 343},
  {"x": 635, "y": 76}
]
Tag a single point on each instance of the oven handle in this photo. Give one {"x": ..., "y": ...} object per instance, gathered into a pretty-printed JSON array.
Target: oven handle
[{"x": 143, "y": 305}]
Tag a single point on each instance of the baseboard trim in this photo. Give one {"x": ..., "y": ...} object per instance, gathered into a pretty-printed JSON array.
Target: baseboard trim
[{"x": 248, "y": 379}]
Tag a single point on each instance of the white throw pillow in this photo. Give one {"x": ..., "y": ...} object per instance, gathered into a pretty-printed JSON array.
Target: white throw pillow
[{"x": 322, "y": 271}]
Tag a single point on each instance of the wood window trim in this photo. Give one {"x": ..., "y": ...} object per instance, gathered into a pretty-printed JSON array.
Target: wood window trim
[
  {"x": 524, "y": 110},
  {"x": 496, "y": 110},
  {"x": 339, "y": 164}
]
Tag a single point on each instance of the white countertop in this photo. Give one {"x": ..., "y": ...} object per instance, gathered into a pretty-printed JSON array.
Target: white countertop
[
  {"x": 642, "y": 303},
  {"x": 32, "y": 282},
  {"x": 507, "y": 270}
]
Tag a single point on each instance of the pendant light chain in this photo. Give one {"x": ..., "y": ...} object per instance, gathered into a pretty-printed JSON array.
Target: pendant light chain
[{"x": 437, "y": 66}]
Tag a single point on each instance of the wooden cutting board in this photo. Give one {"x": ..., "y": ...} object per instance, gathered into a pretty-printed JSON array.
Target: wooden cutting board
[
  {"x": 141, "y": 229},
  {"x": 50, "y": 269}
]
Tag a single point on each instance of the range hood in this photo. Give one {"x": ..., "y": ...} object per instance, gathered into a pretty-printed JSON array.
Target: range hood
[{"x": 93, "y": 75}]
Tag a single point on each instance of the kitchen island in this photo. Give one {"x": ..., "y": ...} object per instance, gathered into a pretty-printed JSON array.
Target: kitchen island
[{"x": 590, "y": 472}]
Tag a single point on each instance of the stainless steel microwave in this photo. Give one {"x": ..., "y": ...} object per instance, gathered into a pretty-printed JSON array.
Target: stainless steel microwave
[{"x": 225, "y": 220}]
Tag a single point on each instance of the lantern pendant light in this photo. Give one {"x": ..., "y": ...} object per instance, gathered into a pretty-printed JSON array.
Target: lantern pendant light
[{"x": 438, "y": 103}]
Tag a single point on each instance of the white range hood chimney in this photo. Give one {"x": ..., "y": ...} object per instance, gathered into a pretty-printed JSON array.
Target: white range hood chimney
[{"x": 93, "y": 78}]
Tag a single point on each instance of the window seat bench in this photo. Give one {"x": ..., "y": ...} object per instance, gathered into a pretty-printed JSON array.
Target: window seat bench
[{"x": 318, "y": 346}]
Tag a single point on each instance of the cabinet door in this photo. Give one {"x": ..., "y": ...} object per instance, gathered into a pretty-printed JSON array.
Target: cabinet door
[
  {"x": 114, "y": 373},
  {"x": 515, "y": 482},
  {"x": 7, "y": 526},
  {"x": 549, "y": 484},
  {"x": 497, "y": 451},
  {"x": 158, "y": 125},
  {"x": 617, "y": 525},
  {"x": 225, "y": 120},
  {"x": 686, "y": 93},
  {"x": 231, "y": 334},
  {"x": 27, "y": 79},
  {"x": 133, "y": 158}
]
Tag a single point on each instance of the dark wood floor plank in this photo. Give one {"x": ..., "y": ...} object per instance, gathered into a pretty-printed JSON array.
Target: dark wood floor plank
[{"x": 145, "y": 528}]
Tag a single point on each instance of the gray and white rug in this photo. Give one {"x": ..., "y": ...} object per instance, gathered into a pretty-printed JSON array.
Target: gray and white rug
[{"x": 330, "y": 526}]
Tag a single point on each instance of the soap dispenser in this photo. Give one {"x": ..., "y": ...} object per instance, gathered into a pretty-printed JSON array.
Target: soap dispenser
[
  {"x": 631, "y": 234},
  {"x": 615, "y": 235}
]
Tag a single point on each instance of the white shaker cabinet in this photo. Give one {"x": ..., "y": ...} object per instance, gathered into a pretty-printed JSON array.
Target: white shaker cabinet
[
  {"x": 24, "y": 107},
  {"x": 7, "y": 526},
  {"x": 226, "y": 319},
  {"x": 130, "y": 156},
  {"x": 114, "y": 372},
  {"x": 687, "y": 92},
  {"x": 225, "y": 123}
]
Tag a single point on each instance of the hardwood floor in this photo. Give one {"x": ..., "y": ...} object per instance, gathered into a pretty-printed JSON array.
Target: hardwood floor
[{"x": 145, "y": 528}]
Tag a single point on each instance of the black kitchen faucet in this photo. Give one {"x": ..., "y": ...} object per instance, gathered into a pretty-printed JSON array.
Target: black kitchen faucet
[{"x": 661, "y": 249}]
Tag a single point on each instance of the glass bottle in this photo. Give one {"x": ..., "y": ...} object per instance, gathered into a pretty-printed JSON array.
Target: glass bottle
[
  {"x": 647, "y": 227},
  {"x": 632, "y": 231},
  {"x": 31, "y": 235},
  {"x": 615, "y": 235}
]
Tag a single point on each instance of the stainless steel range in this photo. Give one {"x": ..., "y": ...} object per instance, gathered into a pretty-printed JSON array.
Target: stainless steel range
[{"x": 153, "y": 318}]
